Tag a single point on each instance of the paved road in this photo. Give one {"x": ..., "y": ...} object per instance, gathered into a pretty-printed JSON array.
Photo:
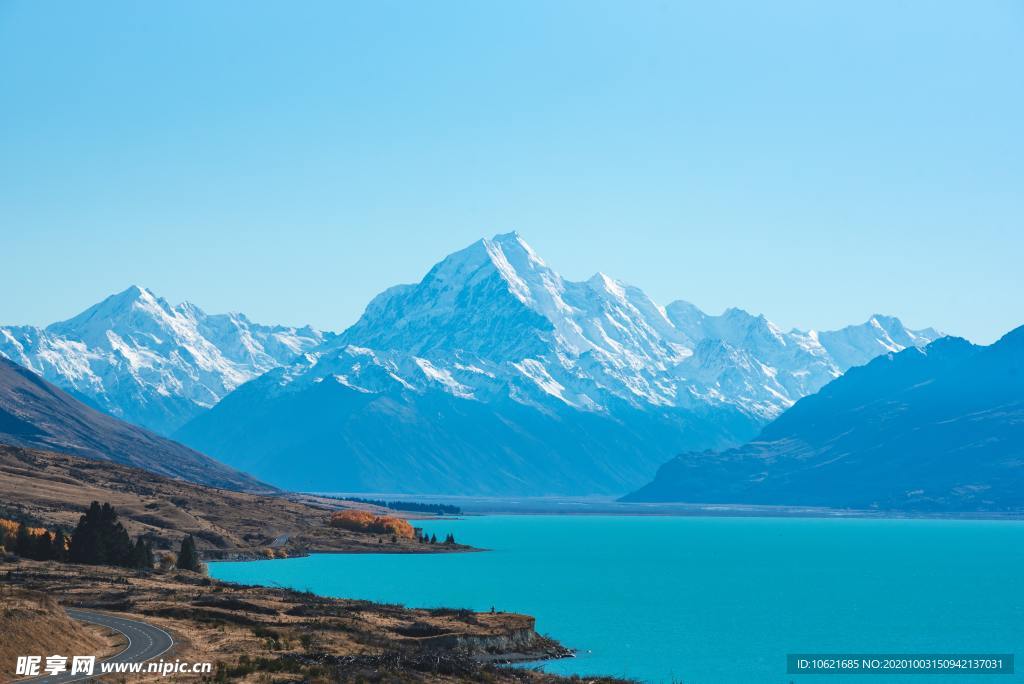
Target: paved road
[{"x": 145, "y": 642}]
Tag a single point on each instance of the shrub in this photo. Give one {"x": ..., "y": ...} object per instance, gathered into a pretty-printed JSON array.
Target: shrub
[
  {"x": 364, "y": 521},
  {"x": 188, "y": 556}
]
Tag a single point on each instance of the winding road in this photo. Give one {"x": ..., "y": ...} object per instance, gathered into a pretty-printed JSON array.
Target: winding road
[{"x": 145, "y": 642}]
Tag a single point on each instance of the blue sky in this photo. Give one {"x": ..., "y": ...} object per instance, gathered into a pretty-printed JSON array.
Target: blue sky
[{"x": 816, "y": 162}]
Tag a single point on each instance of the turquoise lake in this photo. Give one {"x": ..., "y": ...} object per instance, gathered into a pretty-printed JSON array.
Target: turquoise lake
[{"x": 705, "y": 600}]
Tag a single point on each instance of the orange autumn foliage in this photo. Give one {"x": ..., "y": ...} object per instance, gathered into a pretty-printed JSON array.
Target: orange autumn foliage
[
  {"x": 10, "y": 528},
  {"x": 364, "y": 521},
  {"x": 353, "y": 519}
]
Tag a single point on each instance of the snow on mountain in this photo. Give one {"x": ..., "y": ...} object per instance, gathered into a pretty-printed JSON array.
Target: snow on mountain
[
  {"x": 492, "y": 373},
  {"x": 493, "y": 358},
  {"x": 932, "y": 429},
  {"x": 500, "y": 305},
  {"x": 137, "y": 357},
  {"x": 855, "y": 345}
]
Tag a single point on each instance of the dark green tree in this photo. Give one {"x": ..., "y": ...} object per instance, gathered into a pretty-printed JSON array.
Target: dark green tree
[
  {"x": 23, "y": 542},
  {"x": 86, "y": 539},
  {"x": 188, "y": 556},
  {"x": 119, "y": 544},
  {"x": 142, "y": 555},
  {"x": 60, "y": 545},
  {"x": 42, "y": 547},
  {"x": 433, "y": 539},
  {"x": 99, "y": 539}
]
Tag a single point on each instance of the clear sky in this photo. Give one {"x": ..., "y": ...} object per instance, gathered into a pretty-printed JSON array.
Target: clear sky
[{"x": 813, "y": 161}]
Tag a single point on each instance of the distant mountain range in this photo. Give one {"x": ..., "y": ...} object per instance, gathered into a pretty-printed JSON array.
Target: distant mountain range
[
  {"x": 35, "y": 414},
  {"x": 136, "y": 357},
  {"x": 494, "y": 375},
  {"x": 933, "y": 429}
]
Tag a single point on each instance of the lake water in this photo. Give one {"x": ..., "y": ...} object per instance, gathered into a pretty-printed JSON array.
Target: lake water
[{"x": 708, "y": 600}]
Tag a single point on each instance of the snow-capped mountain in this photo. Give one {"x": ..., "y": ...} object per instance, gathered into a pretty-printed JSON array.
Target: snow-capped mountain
[
  {"x": 938, "y": 428},
  {"x": 497, "y": 307},
  {"x": 135, "y": 356},
  {"x": 495, "y": 374}
]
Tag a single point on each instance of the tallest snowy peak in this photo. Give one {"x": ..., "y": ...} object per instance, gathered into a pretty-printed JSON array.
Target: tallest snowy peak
[
  {"x": 506, "y": 256},
  {"x": 507, "y": 238},
  {"x": 514, "y": 243},
  {"x": 512, "y": 249},
  {"x": 499, "y": 302}
]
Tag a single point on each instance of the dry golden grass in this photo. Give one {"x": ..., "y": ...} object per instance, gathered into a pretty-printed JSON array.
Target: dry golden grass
[
  {"x": 233, "y": 625},
  {"x": 55, "y": 489},
  {"x": 32, "y": 623}
]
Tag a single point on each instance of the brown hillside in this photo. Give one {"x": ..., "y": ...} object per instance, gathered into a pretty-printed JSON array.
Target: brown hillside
[
  {"x": 32, "y": 623},
  {"x": 52, "y": 489},
  {"x": 37, "y": 414}
]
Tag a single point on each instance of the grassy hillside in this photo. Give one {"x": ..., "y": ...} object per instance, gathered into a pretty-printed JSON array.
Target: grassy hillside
[
  {"x": 53, "y": 489},
  {"x": 36, "y": 414}
]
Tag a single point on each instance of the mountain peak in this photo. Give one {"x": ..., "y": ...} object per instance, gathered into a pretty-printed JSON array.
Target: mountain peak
[
  {"x": 884, "y": 321},
  {"x": 137, "y": 357},
  {"x": 132, "y": 293},
  {"x": 847, "y": 345},
  {"x": 511, "y": 236},
  {"x": 136, "y": 293},
  {"x": 505, "y": 254},
  {"x": 734, "y": 313},
  {"x": 111, "y": 310},
  {"x": 514, "y": 248},
  {"x": 603, "y": 282}
]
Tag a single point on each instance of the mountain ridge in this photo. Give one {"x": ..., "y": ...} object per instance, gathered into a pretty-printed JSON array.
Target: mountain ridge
[
  {"x": 36, "y": 414},
  {"x": 939, "y": 428},
  {"x": 135, "y": 356},
  {"x": 493, "y": 332}
]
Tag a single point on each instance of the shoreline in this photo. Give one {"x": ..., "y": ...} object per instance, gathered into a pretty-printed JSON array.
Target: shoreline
[
  {"x": 609, "y": 506},
  {"x": 251, "y": 628},
  {"x": 250, "y": 556},
  {"x": 834, "y": 514}
]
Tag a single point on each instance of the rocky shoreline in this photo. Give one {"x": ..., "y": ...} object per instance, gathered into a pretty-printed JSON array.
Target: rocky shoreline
[{"x": 256, "y": 633}]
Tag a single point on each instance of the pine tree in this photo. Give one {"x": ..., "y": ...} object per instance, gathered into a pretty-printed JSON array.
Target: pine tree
[
  {"x": 142, "y": 555},
  {"x": 433, "y": 539},
  {"x": 147, "y": 555},
  {"x": 60, "y": 549},
  {"x": 23, "y": 542},
  {"x": 99, "y": 539},
  {"x": 119, "y": 544},
  {"x": 42, "y": 546},
  {"x": 85, "y": 539},
  {"x": 188, "y": 557}
]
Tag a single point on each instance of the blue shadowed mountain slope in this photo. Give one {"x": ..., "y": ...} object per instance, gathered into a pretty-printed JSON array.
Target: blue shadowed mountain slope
[
  {"x": 495, "y": 375},
  {"x": 933, "y": 429}
]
